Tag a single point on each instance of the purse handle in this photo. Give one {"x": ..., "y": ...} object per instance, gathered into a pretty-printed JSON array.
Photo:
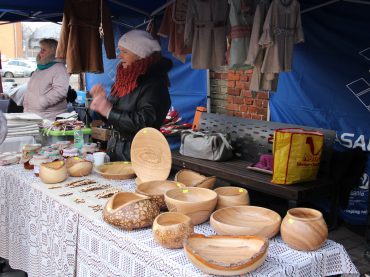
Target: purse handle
[{"x": 201, "y": 134}]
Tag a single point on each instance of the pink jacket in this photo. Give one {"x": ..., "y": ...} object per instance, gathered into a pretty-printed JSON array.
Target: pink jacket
[{"x": 47, "y": 92}]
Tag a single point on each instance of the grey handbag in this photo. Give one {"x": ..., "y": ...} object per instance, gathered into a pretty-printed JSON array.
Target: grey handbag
[{"x": 208, "y": 146}]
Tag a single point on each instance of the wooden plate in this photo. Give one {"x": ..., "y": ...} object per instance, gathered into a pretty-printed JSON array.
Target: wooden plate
[
  {"x": 116, "y": 170},
  {"x": 151, "y": 155},
  {"x": 226, "y": 255}
]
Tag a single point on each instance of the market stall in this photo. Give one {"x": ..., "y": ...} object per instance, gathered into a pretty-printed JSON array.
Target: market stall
[
  {"x": 65, "y": 227},
  {"x": 45, "y": 233}
]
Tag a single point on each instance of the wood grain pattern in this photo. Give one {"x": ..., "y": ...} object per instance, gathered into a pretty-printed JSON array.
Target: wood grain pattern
[
  {"x": 246, "y": 220},
  {"x": 197, "y": 203},
  {"x": 226, "y": 255},
  {"x": 53, "y": 172},
  {"x": 156, "y": 190},
  {"x": 231, "y": 196},
  {"x": 130, "y": 210},
  {"x": 191, "y": 178},
  {"x": 78, "y": 167},
  {"x": 171, "y": 229},
  {"x": 304, "y": 229}
]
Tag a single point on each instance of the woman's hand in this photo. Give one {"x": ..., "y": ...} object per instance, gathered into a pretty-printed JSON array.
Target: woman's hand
[
  {"x": 101, "y": 105},
  {"x": 97, "y": 90}
]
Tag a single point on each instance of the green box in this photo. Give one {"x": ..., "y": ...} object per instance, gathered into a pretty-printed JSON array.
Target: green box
[{"x": 50, "y": 137}]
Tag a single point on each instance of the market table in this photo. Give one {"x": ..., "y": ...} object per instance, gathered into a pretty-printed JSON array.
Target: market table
[{"x": 46, "y": 234}]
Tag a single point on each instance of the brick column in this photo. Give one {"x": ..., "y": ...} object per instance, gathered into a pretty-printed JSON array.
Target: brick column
[{"x": 230, "y": 94}]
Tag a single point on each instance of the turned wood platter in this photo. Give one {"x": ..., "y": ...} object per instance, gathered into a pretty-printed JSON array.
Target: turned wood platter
[
  {"x": 226, "y": 255},
  {"x": 246, "y": 220}
]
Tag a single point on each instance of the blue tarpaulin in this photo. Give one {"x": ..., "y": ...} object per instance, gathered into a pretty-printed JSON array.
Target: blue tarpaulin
[
  {"x": 188, "y": 86},
  {"x": 329, "y": 86}
]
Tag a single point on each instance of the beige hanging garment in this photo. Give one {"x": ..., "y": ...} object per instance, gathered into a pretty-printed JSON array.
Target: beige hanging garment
[
  {"x": 205, "y": 32},
  {"x": 282, "y": 29}
]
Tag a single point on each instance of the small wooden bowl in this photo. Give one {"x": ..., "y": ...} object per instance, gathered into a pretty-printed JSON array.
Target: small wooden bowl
[
  {"x": 171, "y": 229},
  {"x": 197, "y": 203},
  {"x": 156, "y": 190},
  {"x": 226, "y": 255},
  {"x": 304, "y": 229},
  {"x": 138, "y": 181},
  {"x": 231, "y": 196},
  {"x": 130, "y": 210},
  {"x": 78, "y": 167},
  {"x": 191, "y": 178},
  {"x": 54, "y": 172},
  {"x": 116, "y": 170},
  {"x": 246, "y": 220}
]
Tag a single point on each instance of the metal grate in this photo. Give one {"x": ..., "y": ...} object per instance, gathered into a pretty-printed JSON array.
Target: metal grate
[{"x": 249, "y": 137}]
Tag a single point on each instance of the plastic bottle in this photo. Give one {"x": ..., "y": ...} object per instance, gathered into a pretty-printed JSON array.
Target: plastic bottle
[{"x": 78, "y": 138}]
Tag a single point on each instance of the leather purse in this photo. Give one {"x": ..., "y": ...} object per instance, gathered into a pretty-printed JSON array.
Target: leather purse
[{"x": 207, "y": 146}]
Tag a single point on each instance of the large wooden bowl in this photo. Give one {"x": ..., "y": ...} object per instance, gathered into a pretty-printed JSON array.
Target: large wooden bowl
[
  {"x": 130, "y": 210},
  {"x": 304, "y": 229},
  {"x": 246, "y": 220},
  {"x": 231, "y": 196},
  {"x": 116, "y": 170},
  {"x": 226, "y": 255},
  {"x": 171, "y": 229},
  {"x": 197, "y": 203},
  {"x": 54, "y": 172},
  {"x": 191, "y": 178},
  {"x": 156, "y": 190},
  {"x": 78, "y": 167}
]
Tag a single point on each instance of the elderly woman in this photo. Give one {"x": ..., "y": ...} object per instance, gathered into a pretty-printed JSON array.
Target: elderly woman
[
  {"x": 139, "y": 97},
  {"x": 48, "y": 86}
]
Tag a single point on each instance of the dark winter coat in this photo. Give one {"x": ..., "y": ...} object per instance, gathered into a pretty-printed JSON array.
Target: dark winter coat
[{"x": 146, "y": 106}]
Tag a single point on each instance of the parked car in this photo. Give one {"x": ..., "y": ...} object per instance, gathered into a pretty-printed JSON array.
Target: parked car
[{"x": 18, "y": 68}]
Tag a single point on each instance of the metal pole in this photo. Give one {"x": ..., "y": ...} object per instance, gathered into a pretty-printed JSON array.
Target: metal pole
[
  {"x": 162, "y": 8},
  {"x": 319, "y": 6},
  {"x": 119, "y": 3}
]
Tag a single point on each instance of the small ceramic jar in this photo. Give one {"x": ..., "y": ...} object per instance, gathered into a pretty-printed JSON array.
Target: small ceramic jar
[
  {"x": 53, "y": 155},
  {"x": 36, "y": 161},
  {"x": 70, "y": 152},
  {"x": 60, "y": 145},
  {"x": 87, "y": 151},
  {"x": 28, "y": 150},
  {"x": 46, "y": 149}
]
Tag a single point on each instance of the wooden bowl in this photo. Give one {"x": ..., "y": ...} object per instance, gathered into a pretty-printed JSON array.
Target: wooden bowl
[
  {"x": 231, "y": 196},
  {"x": 246, "y": 220},
  {"x": 156, "y": 190},
  {"x": 138, "y": 181},
  {"x": 78, "y": 167},
  {"x": 226, "y": 255},
  {"x": 130, "y": 210},
  {"x": 171, "y": 229},
  {"x": 304, "y": 229},
  {"x": 197, "y": 203},
  {"x": 54, "y": 172},
  {"x": 191, "y": 178},
  {"x": 116, "y": 170}
]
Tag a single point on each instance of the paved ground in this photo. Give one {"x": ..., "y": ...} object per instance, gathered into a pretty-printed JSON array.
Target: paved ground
[{"x": 353, "y": 239}]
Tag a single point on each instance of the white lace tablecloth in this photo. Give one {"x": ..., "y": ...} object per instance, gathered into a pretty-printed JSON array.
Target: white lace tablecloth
[{"x": 49, "y": 235}]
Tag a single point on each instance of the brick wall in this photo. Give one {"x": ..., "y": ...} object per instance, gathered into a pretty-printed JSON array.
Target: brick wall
[{"x": 230, "y": 94}]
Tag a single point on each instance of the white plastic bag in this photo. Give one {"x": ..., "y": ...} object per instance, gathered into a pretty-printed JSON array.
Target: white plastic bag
[{"x": 17, "y": 94}]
